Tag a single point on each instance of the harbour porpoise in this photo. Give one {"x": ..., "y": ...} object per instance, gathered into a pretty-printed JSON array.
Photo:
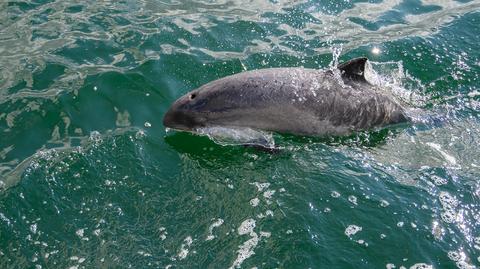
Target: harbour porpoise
[{"x": 289, "y": 100}]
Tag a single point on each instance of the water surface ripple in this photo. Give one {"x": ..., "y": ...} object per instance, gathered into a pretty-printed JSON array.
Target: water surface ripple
[{"x": 89, "y": 178}]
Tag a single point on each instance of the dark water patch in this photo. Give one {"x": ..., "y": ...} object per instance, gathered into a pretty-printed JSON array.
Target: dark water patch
[
  {"x": 74, "y": 9},
  {"x": 45, "y": 78}
]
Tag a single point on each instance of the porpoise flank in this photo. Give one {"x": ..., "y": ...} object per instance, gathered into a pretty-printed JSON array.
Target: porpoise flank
[{"x": 289, "y": 100}]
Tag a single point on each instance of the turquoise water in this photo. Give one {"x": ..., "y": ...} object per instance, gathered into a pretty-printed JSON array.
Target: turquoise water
[{"x": 89, "y": 177}]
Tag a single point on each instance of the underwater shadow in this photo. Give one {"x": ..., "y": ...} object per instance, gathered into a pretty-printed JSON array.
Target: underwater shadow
[
  {"x": 206, "y": 151},
  {"x": 363, "y": 139}
]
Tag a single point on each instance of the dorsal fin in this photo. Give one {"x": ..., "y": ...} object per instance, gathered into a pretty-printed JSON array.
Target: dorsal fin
[{"x": 354, "y": 69}]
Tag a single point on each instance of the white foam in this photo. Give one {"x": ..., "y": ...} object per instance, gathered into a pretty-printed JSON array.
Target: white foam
[
  {"x": 144, "y": 254},
  {"x": 254, "y": 202},
  {"x": 465, "y": 265},
  {"x": 183, "y": 253},
  {"x": 335, "y": 194},
  {"x": 439, "y": 180},
  {"x": 246, "y": 227},
  {"x": 362, "y": 242},
  {"x": 265, "y": 234},
  {"x": 384, "y": 203},
  {"x": 449, "y": 158},
  {"x": 80, "y": 232},
  {"x": 33, "y": 228},
  {"x": 352, "y": 199},
  {"x": 421, "y": 266},
  {"x": 456, "y": 256},
  {"x": 4, "y": 218},
  {"x": 95, "y": 136},
  {"x": 474, "y": 93},
  {"x": 460, "y": 259},
  {"x": 449, "y": 203},
  {"x": 216, "y": 224},
  {"x": 268, "y": 194},
  {"x": 352, "y": 229},
  {"x": 390, "y": 266},
  {"x": 245, "y": 250},
  {"x": 163, "y": 232},
  {"x": 261, "y": 186},
  {"x": 447, "y": 200},
  {"x": 267, "y": 213},
  {"x": 449, "y": 216},
  {"x": 437, "y": 230}
]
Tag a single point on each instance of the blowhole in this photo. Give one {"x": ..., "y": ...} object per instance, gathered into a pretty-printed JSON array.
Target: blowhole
[{"x": 192, "y": 96}]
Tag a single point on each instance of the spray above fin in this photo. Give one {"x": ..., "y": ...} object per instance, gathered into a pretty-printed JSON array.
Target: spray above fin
[{"x": 354, "y": 69}]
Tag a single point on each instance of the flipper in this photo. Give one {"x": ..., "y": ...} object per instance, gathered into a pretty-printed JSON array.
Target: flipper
[{"x": 354, "y": 69}]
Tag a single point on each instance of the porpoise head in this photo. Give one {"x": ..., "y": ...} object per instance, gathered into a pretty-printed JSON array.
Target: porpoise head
[
  {"x": 186, "y": 113},
  {"x": 206, "y": 106}
]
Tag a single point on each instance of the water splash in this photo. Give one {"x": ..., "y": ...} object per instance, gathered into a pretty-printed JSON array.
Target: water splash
[
  {"x": 336, "y": 52},
  {"x": 394, "y": 80},
  {"x": 228, "y": 136}
]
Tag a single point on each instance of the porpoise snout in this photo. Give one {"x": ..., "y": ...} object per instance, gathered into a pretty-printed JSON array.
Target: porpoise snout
[
  {"x": 179, "y": 119},
  {"x": 169, "y": 119}
]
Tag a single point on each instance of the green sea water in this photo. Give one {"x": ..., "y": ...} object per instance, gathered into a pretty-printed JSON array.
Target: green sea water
[{"x": 89, "y": 177}]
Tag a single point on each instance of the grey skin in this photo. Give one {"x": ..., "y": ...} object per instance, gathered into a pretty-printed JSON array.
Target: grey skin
[{"x": 289, "y": 100}]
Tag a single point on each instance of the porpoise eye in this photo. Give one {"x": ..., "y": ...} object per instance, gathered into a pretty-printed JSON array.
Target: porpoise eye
[{"x": 192, "y": 96}]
